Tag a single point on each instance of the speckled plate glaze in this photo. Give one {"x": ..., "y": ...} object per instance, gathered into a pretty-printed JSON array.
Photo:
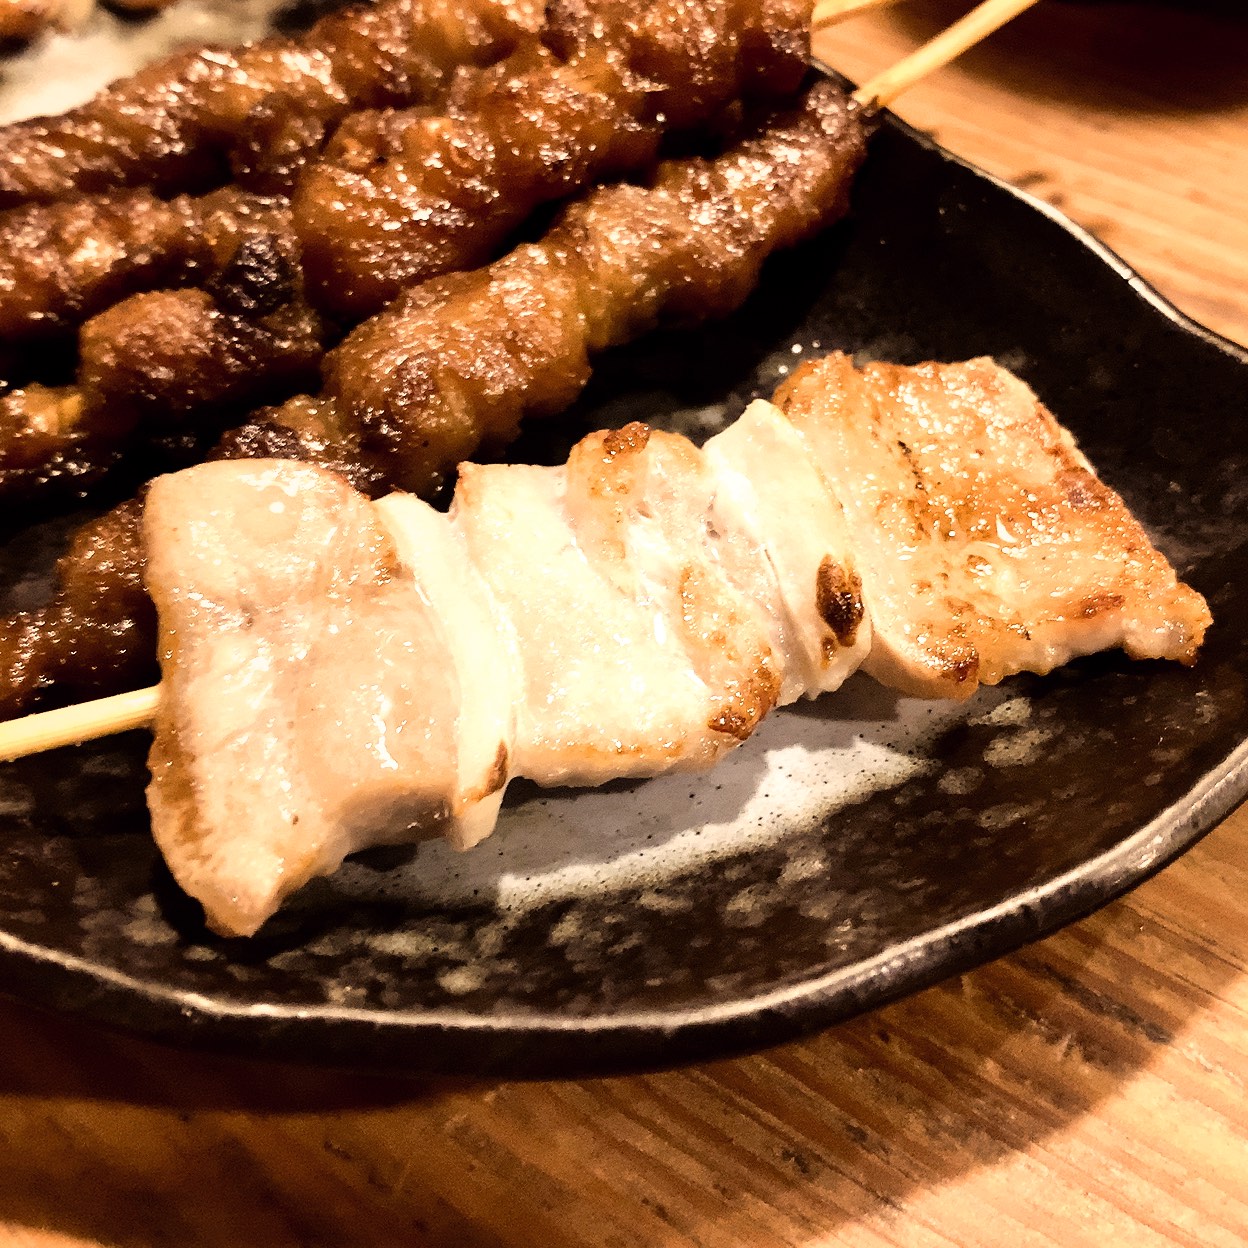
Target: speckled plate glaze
[{"x": 855, "y": 850}]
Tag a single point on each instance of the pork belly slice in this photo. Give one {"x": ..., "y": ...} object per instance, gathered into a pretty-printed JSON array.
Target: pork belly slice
[
  {"x": 310, "y": 694},
  {"x": 765, "y": 466},
  {"x": 482, "y": 648},
  {"x": 987, "y": 544},
  {"x": 642, "y": 652}
]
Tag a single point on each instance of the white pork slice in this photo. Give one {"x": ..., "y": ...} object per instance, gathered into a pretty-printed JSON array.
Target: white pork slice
[
  {"x": 765, "y": 464},
  {"x": 987, "y": 544},
  {"x": 641, "y": 653},
  {"x": 309, "y": 695},
  {"x": 483, "y": 650}
]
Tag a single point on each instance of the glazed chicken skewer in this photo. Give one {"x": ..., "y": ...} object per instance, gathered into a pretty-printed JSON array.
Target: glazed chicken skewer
[
  {"x": 401, "y": 195},
  {"x": 224, "y": 350},
  {"x": 256, "y": 112},
  {"x": 338, "y": 673},
  {"x": 454, "y": 186}
]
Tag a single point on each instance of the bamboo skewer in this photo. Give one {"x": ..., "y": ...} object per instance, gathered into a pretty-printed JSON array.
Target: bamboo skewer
[
  {"x": 87, "y": 721},
  {"x": 965, "y": 33},
  {"x": 72, "y": 725}
]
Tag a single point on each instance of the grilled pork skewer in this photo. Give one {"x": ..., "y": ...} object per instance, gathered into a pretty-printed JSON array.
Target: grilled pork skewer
[
  {"x": 338, "y": 674},
  {"x": 186, "y": 122}
]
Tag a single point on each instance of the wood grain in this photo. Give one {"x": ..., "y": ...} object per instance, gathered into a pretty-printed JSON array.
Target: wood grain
[{"x": 1088, "y": 1091}]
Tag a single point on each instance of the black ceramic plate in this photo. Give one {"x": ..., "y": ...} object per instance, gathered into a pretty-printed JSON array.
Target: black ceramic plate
[{"x": 855, "y": 850}]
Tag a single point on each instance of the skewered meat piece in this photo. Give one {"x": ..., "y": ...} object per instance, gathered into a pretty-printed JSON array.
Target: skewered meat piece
[
  {"x": 472, "y": 355},
  {"x": 63, "y": 262},
  {"x": 987, "y": 543},
  {"x": 171, "y": 363},
  {"x": 24, "y": 19},
  {"x": 697, "y": 54},
  {"x": 177, "y": 354},
  {"x": 404, "y": 195},
  {"x": 464, "y": 359},
  {"x": 97, "y": 632},
  {"x": 336, "y": 556},
  {"x": 628, "y": 606},
  {"x": 264, "y": 108},
  {"x": 401, "y": 197}
]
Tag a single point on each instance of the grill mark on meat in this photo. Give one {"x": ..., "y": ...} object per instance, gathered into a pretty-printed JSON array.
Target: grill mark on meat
[
  {"x": 838, "y": 598},
  {"x": 257, "y": 280}
]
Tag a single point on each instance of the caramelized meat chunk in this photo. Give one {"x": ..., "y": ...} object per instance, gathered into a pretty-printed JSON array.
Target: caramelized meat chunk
[{"x": 177, "y": 125}]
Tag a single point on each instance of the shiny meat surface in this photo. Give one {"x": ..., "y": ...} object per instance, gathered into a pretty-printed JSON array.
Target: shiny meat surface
[
  {"x": 483, "y": 651},
  {"x": 401, "y": 197},
  {"x": 174, "y": 354},
  {"x": 461, "y": 361},
  {"x": 987, "y": 544},
  {"x": 641, "y": 654},
  {"x": 63, "y": 262},
  {"x": 262, "y": 109},
  {"x": 283, "y": 602},
  {"x": 166, "y": 365},
  {"x": 697, "y": 54}
]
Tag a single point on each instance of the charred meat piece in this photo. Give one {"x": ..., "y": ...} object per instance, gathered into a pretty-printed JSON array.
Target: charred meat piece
[
  {"x": 168, "y": 366},
  {"x": 462, "y": 360},
  {"x": 401, "y": 197},
  {"x": 179, "y": 125},
  {"x": 63, "y": 262},
  {"x": 175, "y": 356}
]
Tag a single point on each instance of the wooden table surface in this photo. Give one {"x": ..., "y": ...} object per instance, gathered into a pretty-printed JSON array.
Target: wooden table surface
[{"x": 1088, "y": 1090}]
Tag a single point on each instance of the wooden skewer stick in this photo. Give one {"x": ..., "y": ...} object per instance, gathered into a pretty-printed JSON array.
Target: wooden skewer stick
[
  {"x": 978, "y": 24},
  {"x": 829, "y": 12},
  {"x": 74, "y": 725}
]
